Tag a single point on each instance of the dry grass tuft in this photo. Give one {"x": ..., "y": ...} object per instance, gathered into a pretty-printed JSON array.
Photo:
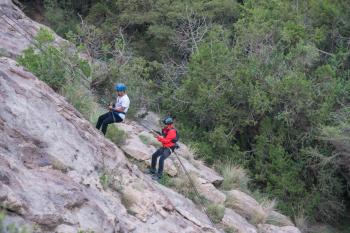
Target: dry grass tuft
[{"x": 235, "y": 177}]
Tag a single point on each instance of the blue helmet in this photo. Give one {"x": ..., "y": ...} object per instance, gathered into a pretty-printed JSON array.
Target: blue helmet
[
  {"x": 120, "y": 87},
  {"x": 168, "y": 120}
]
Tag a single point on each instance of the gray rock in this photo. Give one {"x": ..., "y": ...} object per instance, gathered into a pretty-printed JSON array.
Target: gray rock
[
  {"x": 246, "y": 206},
  {"x": 266, "y": 228},
  {"x": 238, "y": 223},
  {"x": 17, "y": 30}
]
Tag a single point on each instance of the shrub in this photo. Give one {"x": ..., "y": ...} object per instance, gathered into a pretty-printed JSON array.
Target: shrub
[
  {"x": 116, "y": 135},
  {"x": 182, "y": 185},
  {"x": 215, "y": 212},
  {"x": 165, "y": 180},
  {"x": 255, "y": 215},
  {"x": 57, "y": 66},
  {"x": 235, "y": 177},
  {"x": 82, "y": 99}
]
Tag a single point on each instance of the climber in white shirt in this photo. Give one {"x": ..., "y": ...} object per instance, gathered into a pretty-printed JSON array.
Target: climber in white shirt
[{"x": 117, "y": 111}]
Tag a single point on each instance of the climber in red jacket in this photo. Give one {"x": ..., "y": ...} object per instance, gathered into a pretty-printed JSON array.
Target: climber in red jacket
[{"x": 168, "y": 139}]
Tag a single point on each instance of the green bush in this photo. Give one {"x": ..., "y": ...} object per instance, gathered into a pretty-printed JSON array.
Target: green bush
[
  {"x": 59, "y": 67},
  {"x": 62, "y": 70},
  {"x": 82, "y": 99},
  {"x": 116, "y": 135}
]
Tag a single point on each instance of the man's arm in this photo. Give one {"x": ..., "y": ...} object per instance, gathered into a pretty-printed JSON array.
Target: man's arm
[
  {"x": 169, "y": 137},
  {"x": 120, "y": 109}
]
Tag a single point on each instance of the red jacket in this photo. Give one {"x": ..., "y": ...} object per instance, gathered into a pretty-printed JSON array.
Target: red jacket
[{"x": 170, "y": 134}]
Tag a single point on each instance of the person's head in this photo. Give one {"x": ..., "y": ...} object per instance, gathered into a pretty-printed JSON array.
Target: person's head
[
  {"x": 168, "y": 121},
  {"x": 120, "y": 89}
]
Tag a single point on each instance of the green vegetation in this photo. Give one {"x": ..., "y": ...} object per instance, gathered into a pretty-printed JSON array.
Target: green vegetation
[
  {"x": 234, "y": 177},
  {"x": 116, "y": 135},
  {"x": 264, "y": 84},
  {"x": 216, "y": 212},
  {"x": 86, "y": 231},
  {"x": 61, "y": 69},
  {"x": 148, "y": 140},
  {"x": 10, "y": 228},
  {"x": 105, "y": 180},
  {"x": 230, "y": 230}
]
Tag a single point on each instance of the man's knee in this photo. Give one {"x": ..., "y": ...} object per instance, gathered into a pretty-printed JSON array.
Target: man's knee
[{"x": 156, "y": 154}]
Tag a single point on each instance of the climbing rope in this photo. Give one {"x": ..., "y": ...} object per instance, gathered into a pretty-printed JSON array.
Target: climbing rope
[
  {"x": 192, "y": 183},
  {"x": 195, "y": 189}
]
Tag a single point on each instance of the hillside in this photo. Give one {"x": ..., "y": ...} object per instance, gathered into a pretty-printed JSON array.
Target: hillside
[
  {"x": 260, "y": 91},
  {"x": 59, "y": 174}
]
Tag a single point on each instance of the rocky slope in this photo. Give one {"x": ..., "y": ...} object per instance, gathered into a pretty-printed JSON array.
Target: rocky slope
[
  {"x": 59, "y": 174},
  {"x": 51, "y": 162}
]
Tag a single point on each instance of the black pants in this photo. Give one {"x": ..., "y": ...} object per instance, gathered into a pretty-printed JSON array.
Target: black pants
[
  {"x": 163, "y": 153},
  {"x": 106, "y": 119}
]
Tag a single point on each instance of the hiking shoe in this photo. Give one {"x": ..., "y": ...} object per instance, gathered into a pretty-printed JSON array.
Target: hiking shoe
[
  {"x": 156, "y": 177},
  {"x": 151, "y": 171}
]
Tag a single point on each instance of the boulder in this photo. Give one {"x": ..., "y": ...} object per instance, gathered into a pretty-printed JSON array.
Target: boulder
[
  {"x": 209, "y": 191},
  {"x": 279, "y": 219},
  {"x": 246, "y": 206},
  {"x": 238, "y": 223}
]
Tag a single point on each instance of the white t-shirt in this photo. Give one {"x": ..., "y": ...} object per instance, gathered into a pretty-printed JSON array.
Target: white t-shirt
[{"x": 122, "y": 101}]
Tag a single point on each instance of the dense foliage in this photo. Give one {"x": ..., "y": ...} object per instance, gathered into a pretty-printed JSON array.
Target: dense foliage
[{"x": 263, "y": 84}]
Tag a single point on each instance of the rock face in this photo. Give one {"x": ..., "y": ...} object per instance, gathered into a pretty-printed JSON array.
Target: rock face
[
  {"x": 246, "y": 206},
  {"x": 237, "y": 222},
  {"x": 16, "y": 29},
  {"x": 51, "y": 162}
]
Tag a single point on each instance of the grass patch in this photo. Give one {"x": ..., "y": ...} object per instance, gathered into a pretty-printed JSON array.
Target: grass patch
[
  {"x": 105, "y": 181},
  {"x": 82, "y": 99},
  {"x": 166, "y": 180},
  {"x": 254, "y": 214},
  {"x": 111, "y": 179},
  {"x": 235, "y": 177},
  {"x": 86, "y": 231},
  {"x": 215, "y": 212},
  {"x": 58, "y": 165},
  {"x": 128, "y": 201},
  {"x": 230, "y": 230},
  {"x": 12, "y": 227},
  {"x": 116, "y": 135},
  {"x": 182, "y": 185}
]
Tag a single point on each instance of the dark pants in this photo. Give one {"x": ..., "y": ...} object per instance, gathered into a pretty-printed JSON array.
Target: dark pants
[
  {"x": 106, "y": 119},
  {"x": 163, "y": 153}
]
